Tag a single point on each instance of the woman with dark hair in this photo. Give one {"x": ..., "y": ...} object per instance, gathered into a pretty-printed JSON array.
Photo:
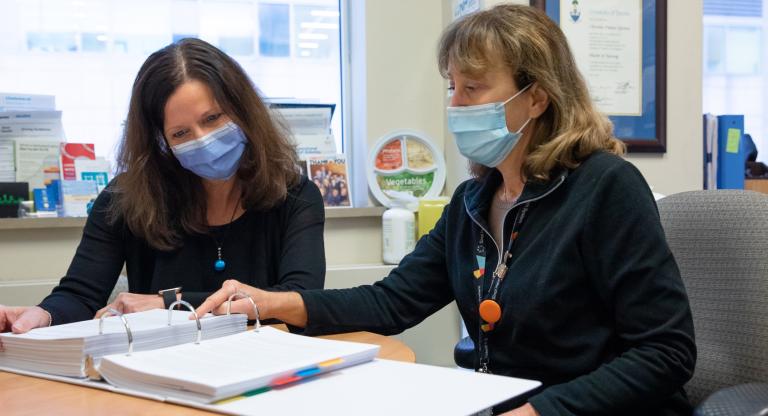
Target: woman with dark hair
[
  {"x": 554, "y": 252},
  {"x": 209, "y": 190}
]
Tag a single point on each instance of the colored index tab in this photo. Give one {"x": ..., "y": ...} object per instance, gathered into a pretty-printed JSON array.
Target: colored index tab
[
  {"x": 734, "y": 138},
  {"x": 308, "y": 372},
  {"x": 285, "y": 380},
  {"x": 330, "y": 362},
  {"x": 257, "y": 391}
]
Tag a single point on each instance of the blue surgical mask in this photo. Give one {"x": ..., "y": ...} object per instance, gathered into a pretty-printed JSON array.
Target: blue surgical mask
[
  {"x": 215, "y": 155},
  {"x": 481, "y": 131}
]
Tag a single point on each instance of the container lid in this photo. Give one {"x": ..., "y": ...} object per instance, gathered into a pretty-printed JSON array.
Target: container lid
[{"x": 405, "y": 161}]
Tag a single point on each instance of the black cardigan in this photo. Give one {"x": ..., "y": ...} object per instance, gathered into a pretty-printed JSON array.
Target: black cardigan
[
  {"x": 593, "y": 305},
  {"x": 278, "y": 249}
]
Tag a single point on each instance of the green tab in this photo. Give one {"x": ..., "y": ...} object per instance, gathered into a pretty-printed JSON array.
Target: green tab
[{"x": 734, "y": 137}]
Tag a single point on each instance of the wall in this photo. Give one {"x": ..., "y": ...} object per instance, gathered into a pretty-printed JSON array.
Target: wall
[{"x": 680, "y": 168}]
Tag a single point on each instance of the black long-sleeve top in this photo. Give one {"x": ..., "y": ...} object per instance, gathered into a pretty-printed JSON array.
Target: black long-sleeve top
[
  {"x": 277, "y": 249},
  {"x": 593, "y": 305}
]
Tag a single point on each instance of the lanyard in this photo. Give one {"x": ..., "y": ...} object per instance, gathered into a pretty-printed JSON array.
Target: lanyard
[{"x": 488, "y": 307}]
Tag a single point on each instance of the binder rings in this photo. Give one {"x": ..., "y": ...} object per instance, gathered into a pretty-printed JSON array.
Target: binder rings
[
  {"x": 267, "y": 371},
  {"x": 66, "y": 350}
]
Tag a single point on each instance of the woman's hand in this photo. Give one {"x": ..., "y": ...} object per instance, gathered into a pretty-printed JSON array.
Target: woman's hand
[
  {"x": 217, "y": 302},
  {"x": 526, "y": 410},
  {"x": 132, "y": 302},
  {"x": 285, "y": 306},
  {"x": 21, "y": 319}
]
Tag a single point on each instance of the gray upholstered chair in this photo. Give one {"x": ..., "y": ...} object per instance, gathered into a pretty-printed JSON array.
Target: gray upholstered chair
[{"x": 720, "y": 241}]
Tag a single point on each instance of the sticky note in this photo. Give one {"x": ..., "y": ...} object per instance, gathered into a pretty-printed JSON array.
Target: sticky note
[{"x": 734, "y": 138}]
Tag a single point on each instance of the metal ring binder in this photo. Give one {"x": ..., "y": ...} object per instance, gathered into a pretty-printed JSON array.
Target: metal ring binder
[
  {"x": 114, "y": 312},
  {"x": 242, "y": 294},
  {"x": 191, "y": 308}
]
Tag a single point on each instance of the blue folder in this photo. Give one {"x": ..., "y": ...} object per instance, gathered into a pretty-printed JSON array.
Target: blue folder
[{"x": 731, "y": 152}]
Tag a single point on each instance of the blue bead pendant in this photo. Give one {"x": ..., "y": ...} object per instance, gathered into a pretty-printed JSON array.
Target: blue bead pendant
[{"x": 219, "y": 265}]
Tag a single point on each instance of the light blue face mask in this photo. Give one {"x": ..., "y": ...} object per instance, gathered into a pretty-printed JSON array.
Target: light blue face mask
[
  {"x": 481, "y": 131},
  {"x": 215, "y": 155}
]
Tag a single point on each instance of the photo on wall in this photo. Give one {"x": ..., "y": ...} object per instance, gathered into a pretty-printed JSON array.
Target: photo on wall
[{"x": 331, "y": 176}]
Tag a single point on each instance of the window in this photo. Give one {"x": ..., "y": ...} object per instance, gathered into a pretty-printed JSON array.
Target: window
[
  {"x": 87, "y": 52},
  {"x": 735, "y": 71}
]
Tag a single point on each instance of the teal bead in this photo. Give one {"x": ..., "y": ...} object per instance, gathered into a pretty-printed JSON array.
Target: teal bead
[{"x": 219, "y": 265}]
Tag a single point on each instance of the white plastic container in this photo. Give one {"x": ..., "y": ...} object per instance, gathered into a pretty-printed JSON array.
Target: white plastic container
[{"x": 398, "y": 232}]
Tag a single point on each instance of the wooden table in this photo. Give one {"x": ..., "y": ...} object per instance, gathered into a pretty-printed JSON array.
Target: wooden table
[
  {"x": 759, "y": 185},
  {"x": 23, "y": 395}
]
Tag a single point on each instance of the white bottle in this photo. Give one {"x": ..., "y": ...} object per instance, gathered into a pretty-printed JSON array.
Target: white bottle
[{"x": 398, "y": 231}]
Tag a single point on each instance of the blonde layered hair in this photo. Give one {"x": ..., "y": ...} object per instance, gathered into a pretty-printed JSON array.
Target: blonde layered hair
[{"x": 525, "y": 41}]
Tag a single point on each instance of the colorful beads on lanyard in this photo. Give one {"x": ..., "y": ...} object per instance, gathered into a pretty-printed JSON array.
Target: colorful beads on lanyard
[{"x": 490, "y": 311}]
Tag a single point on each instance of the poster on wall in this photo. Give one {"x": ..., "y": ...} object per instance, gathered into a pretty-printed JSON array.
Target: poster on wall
[{"x": 620, "y": 47}]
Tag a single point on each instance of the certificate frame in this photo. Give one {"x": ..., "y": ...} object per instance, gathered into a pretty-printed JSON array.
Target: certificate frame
[{"x": 646, "y": 133}]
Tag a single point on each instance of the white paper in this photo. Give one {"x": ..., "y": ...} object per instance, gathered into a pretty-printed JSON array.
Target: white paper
[
  {"x": 36, "y": 161},
  {"x": 384, "y": 387},
  {"x": 606, "y": 38},
  {"x": 40, "y": 124},
  {"x": 228, "y": 366},
  {"x": 310, "y": 128},
  {"x": 314, "y": 144},
  {"x": 7, "y": 172},
  {"x": 306, "y": 120},
  {"x": 26, "y": 102}
]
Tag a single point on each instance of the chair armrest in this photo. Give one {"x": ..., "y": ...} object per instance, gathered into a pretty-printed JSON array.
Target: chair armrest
[{"x": 742, "y": 400}]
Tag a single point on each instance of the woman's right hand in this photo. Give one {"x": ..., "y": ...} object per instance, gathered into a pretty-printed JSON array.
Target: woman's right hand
[
  {"x": 285, "y": 306},
  {"x": 21, "y": 319}
]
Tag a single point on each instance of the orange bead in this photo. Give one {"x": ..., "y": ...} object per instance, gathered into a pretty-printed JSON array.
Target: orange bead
[{"x": 490, "y": 311}]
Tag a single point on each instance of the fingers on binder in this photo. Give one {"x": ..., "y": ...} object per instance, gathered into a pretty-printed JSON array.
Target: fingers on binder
[{"x": 242, "y": 294}]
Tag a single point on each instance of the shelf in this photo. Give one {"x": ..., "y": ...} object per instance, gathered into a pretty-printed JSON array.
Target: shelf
[{"x": 48, "y": 223}]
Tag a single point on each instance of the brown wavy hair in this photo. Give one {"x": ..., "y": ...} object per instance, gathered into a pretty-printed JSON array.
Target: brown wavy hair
[
  {"x": 154, "y": 195},
  {"x": 534, "y": 49}
]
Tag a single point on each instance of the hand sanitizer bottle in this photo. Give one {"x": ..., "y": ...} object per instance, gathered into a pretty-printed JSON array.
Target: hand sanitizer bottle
[{"x": 398, "y": 228}]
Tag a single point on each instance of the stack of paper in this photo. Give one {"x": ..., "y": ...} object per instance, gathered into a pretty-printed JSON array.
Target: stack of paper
[
  {"x": 27, "y": 117},
  {"x": 310, "y": 127},
  {"x": 246, "y": 363},
  {"x": 62, "y": 349}
]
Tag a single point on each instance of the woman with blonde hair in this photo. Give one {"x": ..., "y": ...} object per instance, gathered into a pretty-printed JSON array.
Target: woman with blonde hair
[
  {"x": 210, "y": 190},
  {"x": 554, "y": 252}
]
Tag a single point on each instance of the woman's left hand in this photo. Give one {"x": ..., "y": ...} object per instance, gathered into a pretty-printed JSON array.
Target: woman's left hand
[
  {"x": 132, "y": 302},
  {"x": 526, "y": 410}
]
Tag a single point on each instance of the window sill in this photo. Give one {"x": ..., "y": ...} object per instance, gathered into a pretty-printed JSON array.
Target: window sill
[{"x": 79, "y": 222}]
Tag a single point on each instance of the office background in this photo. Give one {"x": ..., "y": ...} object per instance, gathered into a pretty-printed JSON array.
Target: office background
[{"x": 399, "y": 87}]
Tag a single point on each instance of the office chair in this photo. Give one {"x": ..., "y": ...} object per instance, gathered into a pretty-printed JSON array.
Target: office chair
[
  {"x": 464, "y": 353},
  {"x": 720, "y": 242}
]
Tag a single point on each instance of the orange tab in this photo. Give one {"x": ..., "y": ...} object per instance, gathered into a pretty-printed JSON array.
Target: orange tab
[
  {"x": 490, "y": 311},
  {"x": 330, "y": 362}
]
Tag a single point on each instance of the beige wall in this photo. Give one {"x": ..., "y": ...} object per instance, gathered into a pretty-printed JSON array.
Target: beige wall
[{"x": 680, "y": 168}]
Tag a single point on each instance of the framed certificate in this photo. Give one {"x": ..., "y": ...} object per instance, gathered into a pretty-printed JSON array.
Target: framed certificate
[{"x": 620, "y": 47}]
